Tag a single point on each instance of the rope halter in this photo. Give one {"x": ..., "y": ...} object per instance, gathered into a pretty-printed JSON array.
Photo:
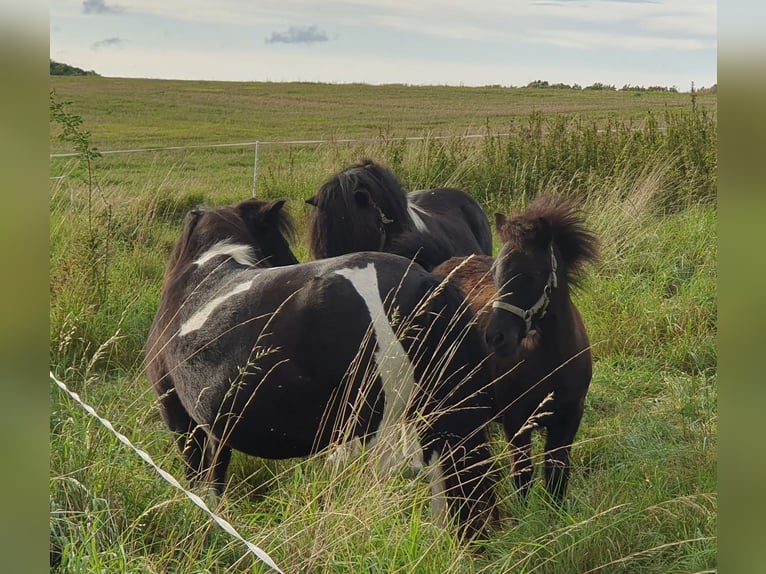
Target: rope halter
[{"x": 540, "y": 307}]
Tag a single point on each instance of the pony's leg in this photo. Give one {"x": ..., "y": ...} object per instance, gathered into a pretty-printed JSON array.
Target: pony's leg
[
  {"x": 561, "y": 433},
  {"x": 462, "y": 483},
  {"x": 520, "y": 446},
  {"x": 190, "y": 437},
  {"x": 403, "y": 451},
  {"x": 411, "y": 450},
  {"x": 192, "y": 445},
  {"x": 205, "y": 458},
  {"x": 217, "y": 458}
]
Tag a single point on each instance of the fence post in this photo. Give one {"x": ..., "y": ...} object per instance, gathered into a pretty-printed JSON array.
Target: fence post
[{"x": 255, "y": 169}]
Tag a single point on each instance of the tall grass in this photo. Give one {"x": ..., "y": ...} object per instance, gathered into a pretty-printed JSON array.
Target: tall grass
[
  {"x": 642, "y": 493},
  {"x": 136, "y": 219}
]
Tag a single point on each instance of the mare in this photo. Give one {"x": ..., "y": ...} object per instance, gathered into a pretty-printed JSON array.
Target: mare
[
  {"x": 250, "y": 350},
  {"x": 365, "y": 208},
  {"x": 534, "y": 331}
]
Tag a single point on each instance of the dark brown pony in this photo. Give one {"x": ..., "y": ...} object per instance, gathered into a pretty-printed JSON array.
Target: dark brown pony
[
  {"x": 535, "y": 332},
  {"x": 365, "y": 208},
  {"x": 252, "y": 351}
]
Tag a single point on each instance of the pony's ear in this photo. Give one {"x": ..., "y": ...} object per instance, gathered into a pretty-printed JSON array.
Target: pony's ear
[
  {"x": 257, "y": 213},
  {"x": 362, "y": 198},
  {"x": 194, "y": 214},
  {"x": 500, "y": 220},
  {"x": 191, "y": 220},
  {"x": 254, "y": 210},
  {"x": 274, "y": 207},
  {"x": 312, "y": 200}
]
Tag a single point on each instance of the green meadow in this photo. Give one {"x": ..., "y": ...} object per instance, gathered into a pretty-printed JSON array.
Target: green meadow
[{"x": 642, "y": 164}]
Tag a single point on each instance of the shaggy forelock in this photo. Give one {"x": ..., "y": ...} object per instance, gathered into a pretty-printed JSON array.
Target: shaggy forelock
[{"x": 565, "y": 221}]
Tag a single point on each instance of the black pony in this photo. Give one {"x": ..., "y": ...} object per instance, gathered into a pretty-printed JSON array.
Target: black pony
[
  {"x": 536, "y": 334},
  {"x": 254, "y": 352},
  {"x": 365, "y": 208}
]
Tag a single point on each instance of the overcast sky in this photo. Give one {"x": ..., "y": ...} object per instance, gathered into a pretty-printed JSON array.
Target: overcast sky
[{"x": 468, "y": 42}]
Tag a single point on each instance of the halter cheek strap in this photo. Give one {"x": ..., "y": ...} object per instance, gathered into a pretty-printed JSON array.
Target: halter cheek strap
[
  {"x": 382, "y": 222},
  {"x": 540, "y": 307}
]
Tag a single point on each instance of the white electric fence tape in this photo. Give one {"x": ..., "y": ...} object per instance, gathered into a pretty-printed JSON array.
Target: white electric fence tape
[{"x": 260, "y": 554}]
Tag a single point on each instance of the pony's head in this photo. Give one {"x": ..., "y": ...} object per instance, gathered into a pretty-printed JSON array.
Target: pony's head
[
  {"x": 544, "y": 251},
  {"x": 258, "y": 225},
  {"x": 357, "y": 209}
]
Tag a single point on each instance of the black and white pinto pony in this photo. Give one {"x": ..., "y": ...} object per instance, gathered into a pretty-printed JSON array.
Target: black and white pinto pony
[
  {"x": 365, "y": 208},
  {"x": 250, "y": 350}
]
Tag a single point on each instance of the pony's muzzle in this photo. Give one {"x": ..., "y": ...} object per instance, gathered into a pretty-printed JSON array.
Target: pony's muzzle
[
  {"x": 504, "y": 336},
  {"x": 495, "y": 339}
]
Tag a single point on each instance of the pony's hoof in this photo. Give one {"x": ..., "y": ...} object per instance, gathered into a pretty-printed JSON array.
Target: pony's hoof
[
  {"x": 344, "y": 453},
  {"x": 209, "y": 495},
  {"x": 415, "y": 468}
]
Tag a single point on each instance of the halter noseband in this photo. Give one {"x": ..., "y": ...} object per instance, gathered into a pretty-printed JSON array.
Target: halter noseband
[{"x": 540, "y": 307}]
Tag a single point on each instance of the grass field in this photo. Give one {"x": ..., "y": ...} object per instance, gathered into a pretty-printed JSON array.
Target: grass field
[
  {"x": 131, "y": 113},
  {"x": 643, "y": 165}
]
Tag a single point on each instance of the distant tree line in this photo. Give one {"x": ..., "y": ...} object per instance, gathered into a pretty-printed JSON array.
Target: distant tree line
[
  {"x": 626, "y": 88},
  {"x": 59, "y": 69},
  {"x": 601, "y": 87}
]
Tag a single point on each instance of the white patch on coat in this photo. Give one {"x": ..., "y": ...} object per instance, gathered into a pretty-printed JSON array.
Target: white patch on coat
[
  {"x": 239, "y": 252},
  {"x": 200, "y": 317},
  {"x": 396, "y": 449},
  {"x": 393, "y": 365},
  {"x": 411, "y": 449},
  {"x": 413, "y": 210},
  {"x": 438, "y": 491}
]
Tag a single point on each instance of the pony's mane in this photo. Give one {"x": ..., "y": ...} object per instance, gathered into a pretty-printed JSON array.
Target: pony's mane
[
  {"x": 336, "y": 220},
  {"x": 383, "y": 185},
  {"x": 182, "y": 244},
  {"x": 247, "y": 215},
  {"x": 548, "y": 218}
]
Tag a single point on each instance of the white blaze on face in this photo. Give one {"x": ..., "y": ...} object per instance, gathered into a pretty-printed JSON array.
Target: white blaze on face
[{"x": 393, "y": 365}]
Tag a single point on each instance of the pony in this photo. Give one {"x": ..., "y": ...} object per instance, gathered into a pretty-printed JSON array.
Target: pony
[
  {"x": 540, "y": 347},
  {"x": 365, "y": 208},
  {"x": 250, "y": 350}
]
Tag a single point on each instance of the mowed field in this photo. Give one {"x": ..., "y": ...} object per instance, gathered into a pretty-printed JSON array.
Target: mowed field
[
  {"x": 133, "y": 113},
  {"x": 643, "y": 166}
]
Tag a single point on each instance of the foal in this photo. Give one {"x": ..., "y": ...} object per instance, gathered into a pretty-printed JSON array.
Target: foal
[{"x": 534, "y": 331}]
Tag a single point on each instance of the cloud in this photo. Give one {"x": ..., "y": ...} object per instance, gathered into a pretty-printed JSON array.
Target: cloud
[
  {"x": 99, "y": 7},
  {"x": 298, "y": 35},
  {"x": 108, "y": 43}
]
